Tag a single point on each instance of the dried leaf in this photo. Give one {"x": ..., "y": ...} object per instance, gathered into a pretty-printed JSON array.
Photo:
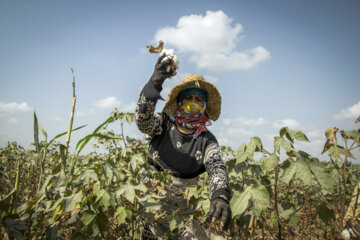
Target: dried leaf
[
  {"x": 357, "y": 120},
  {"x": 157, "y": 49},
  {"x": 330, "y": 134}
]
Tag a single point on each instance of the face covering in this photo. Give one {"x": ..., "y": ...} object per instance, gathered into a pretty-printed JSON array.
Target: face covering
[{"x": 192, "y": 116}]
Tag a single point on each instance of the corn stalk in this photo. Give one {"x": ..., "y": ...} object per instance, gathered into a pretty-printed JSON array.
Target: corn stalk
[{"x": 67, "y": 142}]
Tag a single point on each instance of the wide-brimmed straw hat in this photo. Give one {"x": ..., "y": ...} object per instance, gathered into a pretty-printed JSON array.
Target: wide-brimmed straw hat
[{"x": 213, "y": 103}]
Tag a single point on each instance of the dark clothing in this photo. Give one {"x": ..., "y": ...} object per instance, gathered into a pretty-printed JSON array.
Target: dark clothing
[{"x": 183, "y": 155}]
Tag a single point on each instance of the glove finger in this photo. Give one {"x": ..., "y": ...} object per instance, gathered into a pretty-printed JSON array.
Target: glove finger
[
  {"x": 211, "y": 211},
  {"x": 226, "y": 217},
  {"x": 217, "y": 212},
  {"x": 164, "y": 63},
  {"x": 160, "y": 59}
]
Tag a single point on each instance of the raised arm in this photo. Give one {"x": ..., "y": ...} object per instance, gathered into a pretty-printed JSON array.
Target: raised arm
[{"x": 147, "y": 121}]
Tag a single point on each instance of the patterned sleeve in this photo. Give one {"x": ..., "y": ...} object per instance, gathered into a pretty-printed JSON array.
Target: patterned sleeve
[
  {"x": 147, "y": 121},
  {"x": 216, "y": 169}
]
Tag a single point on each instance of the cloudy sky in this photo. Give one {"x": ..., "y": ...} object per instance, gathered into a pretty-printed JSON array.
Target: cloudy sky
[{"x": 276, "y": 63}]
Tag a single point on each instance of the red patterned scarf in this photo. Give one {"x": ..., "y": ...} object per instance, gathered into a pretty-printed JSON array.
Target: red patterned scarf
[{"x": 197, "y": 121}]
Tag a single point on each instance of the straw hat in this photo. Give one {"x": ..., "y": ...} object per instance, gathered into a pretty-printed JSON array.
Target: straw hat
[{"x": 213, "y": 104}]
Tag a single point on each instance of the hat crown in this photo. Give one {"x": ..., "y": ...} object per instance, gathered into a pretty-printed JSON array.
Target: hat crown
[{"x": 193, "y": 77}]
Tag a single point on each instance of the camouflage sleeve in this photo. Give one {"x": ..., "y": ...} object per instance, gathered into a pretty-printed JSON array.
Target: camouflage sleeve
[
  {"x": 146, "y": 119},
  {"x": 216, "y": 169}
]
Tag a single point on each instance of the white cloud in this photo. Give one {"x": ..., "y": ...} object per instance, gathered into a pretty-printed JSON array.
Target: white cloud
[
  {"x": 109, "y": 102},
  {"x": 314, "y": 148},
  {"x": 85, "y": 113},
  {"x": 314, "y": 134},
  {"x": 130, "y": 107},
  {"x": 113, "y": 102},
  {"x": 350, "y": 113},
  {"x": 12, "y": 120},
  {"x": 211, "y": 79},
  {"x": 211, "y": 40},
  {"x": 233, "y": 136},
  {"x": 245, "y": 121},
  {"x": 13, "y": 108},
  {"x": 290, "y": 123},
  {"x": 233, "y": 61},
  {"x": 59, "y": 119}
]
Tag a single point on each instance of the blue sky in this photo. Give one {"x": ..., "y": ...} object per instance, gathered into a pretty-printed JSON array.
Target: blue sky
[{"x": 276, "y": 63}]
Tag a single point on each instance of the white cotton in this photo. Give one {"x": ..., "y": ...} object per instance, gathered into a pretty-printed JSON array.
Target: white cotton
[
  {"x": 169, "y": 54},
  {"x": 345, "y": 233}
]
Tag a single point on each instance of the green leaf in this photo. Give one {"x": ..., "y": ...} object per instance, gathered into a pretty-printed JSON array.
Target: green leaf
[
  {"x": 255, "y": 145},
  {"x": 108, "y": 170},
  {"x": 269, "y": 164},
  {"x": 150, "y": 202},
  {"x": 292, "y": 134},
  {"x": 294, "y": 220},
  {"x": 247, "y": 151},
  {"x": 176, "y": 223},
  {"x": 130, "y": 117},
  {"x": 298, "y": 135},
  {"x": 296, "y": 170},
  {"x": 204, "y": 205},
  {"x": 121, "y": 214},
  {"x": 82, "y": 142},
  {"x": 87, "y": 217},
  {"x": 71, "y": 201},
  {"x": 128, "y": 190},
  {"x": 136, "y": 160},
  {"x": 281, "y": 142},
  {"x": 43, "y": 132},
  {"x": 88, "y": 175},
  {"x": 335, "y": 151},
  {"x": 62, "y": 134},
  {"x": 286, "y": 132},
  {"x": 105, "y": 198},
  {"x": 102, "y": 221},
  {"x": 354, "y": 135},
  {"x": 240, "y": 154},
  {"x": 325, "y": 214},
  {"x": 58, "y": 203},
  {"x": 256, "y": 195},
  {"x": 324, "y": 177},
  {"x": 36, "y": 133}
]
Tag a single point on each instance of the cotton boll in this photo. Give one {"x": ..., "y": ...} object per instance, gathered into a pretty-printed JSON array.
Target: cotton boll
[
  {"x": 346, "y": 235},
  {"x": 169, "y": 55}
]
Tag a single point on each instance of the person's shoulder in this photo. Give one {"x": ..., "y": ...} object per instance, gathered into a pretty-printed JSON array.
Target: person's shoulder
[{"x": 209, "y": 136}]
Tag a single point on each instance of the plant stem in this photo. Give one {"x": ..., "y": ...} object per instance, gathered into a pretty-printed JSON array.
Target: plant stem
[
  {"x": 41, "y": 168},
  {"x": 71, "y": 116},
  {"x": 122, "y": 134},
  {"x": 276, "y": 202},
  {"x": 344, "y": 183},
  {"x": 17, "y": 181}
]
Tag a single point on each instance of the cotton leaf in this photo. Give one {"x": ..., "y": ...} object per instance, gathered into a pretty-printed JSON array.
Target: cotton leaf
[
  {"x": 253, "y": 195},
  {"x": 269, "y": 164},
  {"x": 297, "y": 170},
  {"x": 324, "y": 177},
  {"x": 121, "y": 214},
  {"x": 71, "y": 201}
]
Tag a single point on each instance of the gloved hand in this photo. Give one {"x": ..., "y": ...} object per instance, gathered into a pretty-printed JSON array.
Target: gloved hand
[
  {"x": 219, "y": 207},
  {"x": 160, "y": 71}
]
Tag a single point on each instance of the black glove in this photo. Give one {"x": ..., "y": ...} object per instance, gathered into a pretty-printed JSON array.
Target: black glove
[
  {"x": 219, "y": 207},
  {"x": 160, "y": 71}
]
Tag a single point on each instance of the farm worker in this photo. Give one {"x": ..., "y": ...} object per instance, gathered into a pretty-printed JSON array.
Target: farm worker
[{"x": 182, "y": 144}]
